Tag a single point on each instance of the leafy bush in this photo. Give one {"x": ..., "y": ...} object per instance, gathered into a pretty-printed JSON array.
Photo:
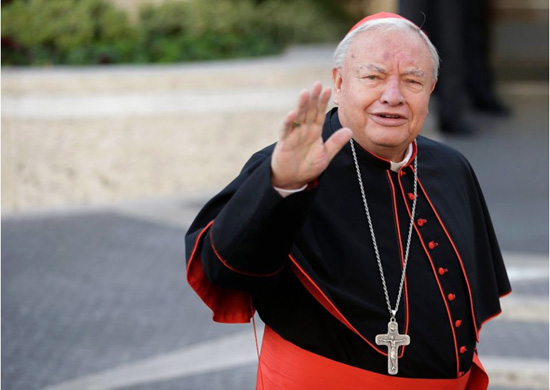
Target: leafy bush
[
  {"x": 66, "y": 31},
  {"x": 94, "y": 31},
  {"x": 207, "y": 29}
]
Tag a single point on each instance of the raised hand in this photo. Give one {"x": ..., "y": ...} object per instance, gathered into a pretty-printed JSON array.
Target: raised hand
[{"x": 300, "y": 155}]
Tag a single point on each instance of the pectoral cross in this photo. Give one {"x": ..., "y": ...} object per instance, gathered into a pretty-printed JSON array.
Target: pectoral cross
[{"x": 393, "y": 340}]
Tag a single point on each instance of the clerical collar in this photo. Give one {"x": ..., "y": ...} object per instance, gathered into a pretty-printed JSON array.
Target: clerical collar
[{"x": 394, "y": 166}]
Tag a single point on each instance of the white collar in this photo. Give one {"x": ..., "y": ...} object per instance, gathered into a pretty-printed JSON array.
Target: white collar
[{"x": 395, "y": 166}]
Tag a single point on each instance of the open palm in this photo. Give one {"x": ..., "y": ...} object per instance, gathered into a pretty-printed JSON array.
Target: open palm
[{"x": 301, "y": 155}]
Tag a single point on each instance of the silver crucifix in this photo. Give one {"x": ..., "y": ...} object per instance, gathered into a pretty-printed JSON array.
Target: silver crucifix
[{"x": 393, "y": 340}]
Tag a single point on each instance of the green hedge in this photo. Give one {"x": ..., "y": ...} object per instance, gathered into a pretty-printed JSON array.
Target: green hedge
[
  {"x": 66, "y": 32},
  {"x": 40, "y": 32}
]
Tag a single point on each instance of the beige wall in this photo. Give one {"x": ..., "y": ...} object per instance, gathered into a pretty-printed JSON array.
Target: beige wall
[{"x": 56, "y": 157}]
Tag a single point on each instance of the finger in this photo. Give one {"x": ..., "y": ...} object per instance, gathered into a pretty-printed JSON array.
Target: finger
[
  {"x": 302, "y": 105},
  {"x": 337, "y": 141},
  {"x": 322, "y": 106},
  {"x": 306, "y": 109},
  {"x": 289, "y": 123},
  {"x": 316, "y": 90},
  {"x": 311, "y": 113}
]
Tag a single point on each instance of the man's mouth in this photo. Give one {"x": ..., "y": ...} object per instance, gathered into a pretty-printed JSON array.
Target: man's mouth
[
  {"x": 391, "y": 116},
  {"x": 388, "y": 119}
]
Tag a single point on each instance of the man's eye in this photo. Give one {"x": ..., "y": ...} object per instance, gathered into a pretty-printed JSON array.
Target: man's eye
[{"x": 371, "y": 77}]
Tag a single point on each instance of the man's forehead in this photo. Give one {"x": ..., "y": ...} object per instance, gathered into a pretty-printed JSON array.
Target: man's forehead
[
  {"x": 380, "y": 50},
  {"x": 390, "y": 37}
]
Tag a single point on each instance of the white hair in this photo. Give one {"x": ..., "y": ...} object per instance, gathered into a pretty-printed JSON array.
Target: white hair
[{"x": 385, "y": 24}]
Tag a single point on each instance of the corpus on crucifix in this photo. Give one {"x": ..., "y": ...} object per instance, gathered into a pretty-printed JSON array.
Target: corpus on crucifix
[{"x": 393, "y": 340}]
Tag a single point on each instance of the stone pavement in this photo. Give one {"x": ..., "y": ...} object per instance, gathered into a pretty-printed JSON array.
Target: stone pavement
[{"x": 95, "y": 297}]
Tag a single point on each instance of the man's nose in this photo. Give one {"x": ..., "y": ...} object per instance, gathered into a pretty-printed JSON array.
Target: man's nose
[{"x": 392, "y": 93}]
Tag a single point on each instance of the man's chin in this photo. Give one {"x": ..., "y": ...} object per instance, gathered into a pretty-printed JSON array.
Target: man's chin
[
  {"x": 390, "y": 147},
  {"x": 389, "y": 139}
]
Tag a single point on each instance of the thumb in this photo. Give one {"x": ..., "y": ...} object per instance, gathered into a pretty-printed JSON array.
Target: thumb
[{"x": 337, "y": 141}]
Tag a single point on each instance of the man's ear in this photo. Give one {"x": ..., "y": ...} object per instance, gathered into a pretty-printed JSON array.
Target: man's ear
[{"x": 337, "y": 82}]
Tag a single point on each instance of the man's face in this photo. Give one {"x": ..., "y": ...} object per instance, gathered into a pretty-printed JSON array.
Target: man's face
[{"x": 383, "y": 90}]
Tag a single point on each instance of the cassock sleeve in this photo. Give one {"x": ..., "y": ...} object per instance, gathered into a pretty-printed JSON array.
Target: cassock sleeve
[{"x": 240, "y": 241}]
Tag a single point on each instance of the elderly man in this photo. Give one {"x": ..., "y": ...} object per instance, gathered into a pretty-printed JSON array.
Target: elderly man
[{"x": 366, "y": 249}]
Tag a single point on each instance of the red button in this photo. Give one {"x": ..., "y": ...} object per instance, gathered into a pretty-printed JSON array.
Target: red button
[
  {"x": 458, "y": 323},
  {"x": 451, "y": 297},
  {"x": 410, "y": 195},
  {"x": 461, "y": 373},
  {"x": 402, "y": 173},
  {"x": 432, "y": 244},
  {"x": 421, "y": 221},
  {"x": 463, "y": 349},
  {"x": 442, "y": 271}
]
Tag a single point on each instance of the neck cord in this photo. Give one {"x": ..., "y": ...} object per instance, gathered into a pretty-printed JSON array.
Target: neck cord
[{"x": 392, "y": 312}]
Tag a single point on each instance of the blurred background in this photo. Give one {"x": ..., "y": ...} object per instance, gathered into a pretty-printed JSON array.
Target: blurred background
[{"x": 121, "y": 118}]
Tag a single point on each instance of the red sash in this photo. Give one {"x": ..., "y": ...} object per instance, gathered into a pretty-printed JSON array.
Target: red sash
[{"x": 284, "y": 366}]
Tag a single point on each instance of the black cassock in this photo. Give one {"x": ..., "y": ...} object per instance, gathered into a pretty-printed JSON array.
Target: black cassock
[{"x": 306, "y": 262}]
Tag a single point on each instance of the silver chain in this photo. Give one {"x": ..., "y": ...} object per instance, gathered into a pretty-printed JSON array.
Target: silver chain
[{"x": 373, "y": 236}]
